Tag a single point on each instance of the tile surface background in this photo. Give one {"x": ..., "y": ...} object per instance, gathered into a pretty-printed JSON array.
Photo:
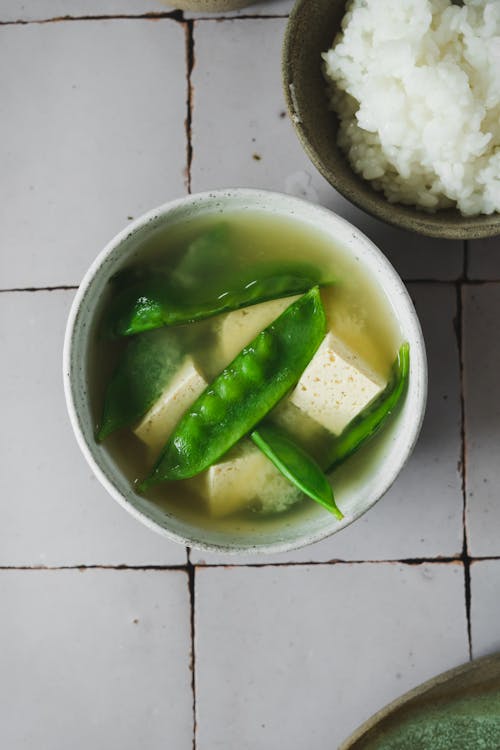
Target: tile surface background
[{"x": 114, "y": 635}]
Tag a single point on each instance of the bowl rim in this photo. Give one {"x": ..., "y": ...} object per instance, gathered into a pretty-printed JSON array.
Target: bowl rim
[
  {"x": 396, "y": 214},
  {"x": 490, "y": 662},
  {"x": 69, "y": 375}
]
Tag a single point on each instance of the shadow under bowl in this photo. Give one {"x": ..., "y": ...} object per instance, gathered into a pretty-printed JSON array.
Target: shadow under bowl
[{"x": 311, "y": 29}]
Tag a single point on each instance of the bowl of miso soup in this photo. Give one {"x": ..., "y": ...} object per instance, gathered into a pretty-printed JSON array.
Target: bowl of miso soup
[{"x": 244, "y": 371}]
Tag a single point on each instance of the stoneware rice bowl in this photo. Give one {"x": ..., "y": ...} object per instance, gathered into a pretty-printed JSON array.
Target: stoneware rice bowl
[
  {"x": 311, "y": 29},
  {"x": 209, "y": 6},
  {"x": 388, "y": 452}
]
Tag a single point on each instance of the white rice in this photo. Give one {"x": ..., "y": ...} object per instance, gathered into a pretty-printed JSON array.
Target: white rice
[{"x": 417, "y": 91}]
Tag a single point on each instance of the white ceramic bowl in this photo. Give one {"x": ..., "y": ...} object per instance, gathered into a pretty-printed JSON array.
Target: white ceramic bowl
[{"x": 384, "y": 456}]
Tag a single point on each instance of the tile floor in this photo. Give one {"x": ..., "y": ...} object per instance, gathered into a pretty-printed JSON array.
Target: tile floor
[{"x": 113, "y": 637}]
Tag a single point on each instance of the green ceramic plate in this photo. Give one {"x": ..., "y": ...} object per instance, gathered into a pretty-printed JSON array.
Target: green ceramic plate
[
  {"x": 459, "y": 710},
  {"x": 310, "y": 31}
]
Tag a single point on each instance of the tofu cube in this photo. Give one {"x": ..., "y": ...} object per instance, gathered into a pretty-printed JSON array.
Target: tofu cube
[
  {"x": 335, "y": 386},
  {"x": 238, "y": 328},
  {"x": 243, "y": 476},
  {"x": 298, "y": 424},
  {"x": 182, "y": 391}
]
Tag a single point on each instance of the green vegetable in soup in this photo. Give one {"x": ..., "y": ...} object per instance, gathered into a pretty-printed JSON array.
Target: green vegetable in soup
[
  {"x": 370, "y": 420},
  {"x": 210, "y": 279},
  {"x": 208, "y": 259},
  {"x": 242, "y": 395},
  {"x": 296, "y": 465},
  {"x": 153, "y": 305},
  {"x": 145, "y": 368}
]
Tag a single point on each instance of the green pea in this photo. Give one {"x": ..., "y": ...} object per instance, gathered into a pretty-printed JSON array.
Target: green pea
[
  {"x": 230, "y": 387},
  {"x": 264, "y": 346},
  {"x": 196, "y": 431},
  {"x": 251, "y": 369},
  {"x": 296, "y": 334},
  {"x": 212, "y": 407}
]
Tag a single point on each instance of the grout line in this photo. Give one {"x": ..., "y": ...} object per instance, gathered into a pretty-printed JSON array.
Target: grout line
[
  {"x": 465, "y": 270},
  {"x": 191, "y": 566},
  {"x": 312, "y": 563},
  {"x": 191, "y": 570},
  {"x": 459, "y": 329},
  {"x": 62, "y": 287},
  {"x": 174, "y": 15},
  {"x": 190, "y": 62}
]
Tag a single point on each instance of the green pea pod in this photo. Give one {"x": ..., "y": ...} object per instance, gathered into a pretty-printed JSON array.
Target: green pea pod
[
  {"x": 210, "y": 278},
  {"x": 147, "y": 365},
  {"x": 296, "y": 465},
  {"x": 242, "y": 395},
  {"x": 154, "y": 304},
  {"x": 370, "y": 420}
]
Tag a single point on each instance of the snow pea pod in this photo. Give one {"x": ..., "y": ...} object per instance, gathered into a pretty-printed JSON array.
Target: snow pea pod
[
  {"x": 370, "y": 420},
  {"x": 144, "y": 369},
  {"x": 296, "y": 465},
  {"x": 155, "y": 302},
  {"x": 241, "y": 396}
]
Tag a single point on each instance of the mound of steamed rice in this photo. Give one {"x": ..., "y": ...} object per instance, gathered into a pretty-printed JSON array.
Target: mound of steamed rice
[{"x": 416, "y": 86}]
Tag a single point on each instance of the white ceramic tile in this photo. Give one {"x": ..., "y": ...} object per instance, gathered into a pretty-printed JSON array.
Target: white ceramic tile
[
  {"x": 482, "y": 409},
  {"x": 39, "y": 10},
  {"x": 53, "y": 512},
  {"x": 242, "y": 136},
  {"x": 256, "y": 8},
  {"x": 421, "y": 515},
  {"x": 92, "y": 133},
  {"x": 298, "y": 657},
  {"x": 98, "y": 659},
  {"x": 483, "y": 259},
  {"x": 485, "y": 607}
]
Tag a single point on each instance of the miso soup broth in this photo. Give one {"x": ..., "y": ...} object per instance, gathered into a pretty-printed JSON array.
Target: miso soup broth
[{"x": 357, "y": 313}]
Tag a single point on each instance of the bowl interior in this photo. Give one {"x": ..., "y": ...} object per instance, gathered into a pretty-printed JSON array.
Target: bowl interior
[
  {"x": 310, "y": 32},
  {"x": 384, "y": 456}
]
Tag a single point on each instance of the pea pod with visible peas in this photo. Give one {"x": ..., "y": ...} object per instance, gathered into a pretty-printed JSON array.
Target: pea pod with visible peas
[
  {"x": 242, "y": 395},
  {"x": 296, "y": 465},
  {"x": 370, "y": 420}
]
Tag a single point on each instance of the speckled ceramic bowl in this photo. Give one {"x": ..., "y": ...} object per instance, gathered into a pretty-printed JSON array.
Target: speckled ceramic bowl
[
  {"x": 311, "y": 30},
  {"x": 385, "y": 456},
  {"x": 458, "y": 709}
]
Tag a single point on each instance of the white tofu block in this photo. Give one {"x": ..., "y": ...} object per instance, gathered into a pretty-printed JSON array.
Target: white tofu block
[
  {"x": 297, "y": 423},
  {"x": 245, "y": 476},
  {"x": 238, "y": 328},
  {"x": 335, "y": 386},
  {"x": 182, "y": 391}
]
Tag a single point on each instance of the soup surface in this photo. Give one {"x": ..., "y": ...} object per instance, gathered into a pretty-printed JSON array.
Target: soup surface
[{"x": 357, "y": 313}]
